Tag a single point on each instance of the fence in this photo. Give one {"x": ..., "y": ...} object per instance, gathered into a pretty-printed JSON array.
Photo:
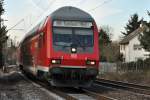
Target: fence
[
  {"x": 123, "y": 67},
  {"x": 107, "y": 67}
]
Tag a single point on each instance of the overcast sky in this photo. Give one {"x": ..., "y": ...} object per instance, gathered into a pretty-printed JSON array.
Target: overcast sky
[{"x": 114, "y": 13}]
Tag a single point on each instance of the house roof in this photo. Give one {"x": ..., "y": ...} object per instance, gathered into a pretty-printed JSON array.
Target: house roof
[{"x": 132, "y": 35}]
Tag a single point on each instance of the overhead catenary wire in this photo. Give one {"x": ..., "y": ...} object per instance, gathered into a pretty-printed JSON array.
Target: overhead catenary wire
[
  {"x": 16, "y": 24},
  {"x": 53, "y": 1},
  {"x": 49, "y": 5},
  {"x": 23, "y": 19},
  {"x": 81, "y": 1},
  {"x": 36, "y": 5},
  {"x": 105, "y": 2}
]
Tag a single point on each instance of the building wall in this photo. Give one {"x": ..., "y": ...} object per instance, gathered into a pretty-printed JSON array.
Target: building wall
[
  {"x": 138, "y": 53},
  {"x": 133, "y": 51},
  {"x": 124, "y": 49}
]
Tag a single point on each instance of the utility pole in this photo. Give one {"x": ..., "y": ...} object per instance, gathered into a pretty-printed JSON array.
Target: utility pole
[
  {"x": 3, "y": 44},
  {"x": 1, "y": 56},
  {"x": 0, "y": 21},
  {"x": 5, "y": 47}
]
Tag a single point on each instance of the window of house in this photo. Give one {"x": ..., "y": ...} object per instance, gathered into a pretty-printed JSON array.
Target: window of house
[
  {"x": 137, "y": 47},
  {"x": 124, "y": 59},
  {"x": 138, "y": 58},
  {"x": 123, "y": 47},
  {"x": 147, "y": 30},
  {"x": 146, "y": 55}
]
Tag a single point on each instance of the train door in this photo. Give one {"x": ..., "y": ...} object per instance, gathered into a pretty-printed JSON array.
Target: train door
[
  {"x": 34, "y": 57},
  {"x": 40, "y": 49}
]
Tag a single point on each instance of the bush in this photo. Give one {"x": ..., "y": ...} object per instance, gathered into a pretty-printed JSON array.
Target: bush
[{"x": 147, "y": 63}]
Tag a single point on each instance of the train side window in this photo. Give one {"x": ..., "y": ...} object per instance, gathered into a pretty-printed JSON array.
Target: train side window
[
  {"x": 92, "y": 27},
  {"x": 41, "y": 39}
]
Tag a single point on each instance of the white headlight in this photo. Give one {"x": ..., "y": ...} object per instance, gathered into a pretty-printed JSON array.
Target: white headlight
[
  {"x": 53, "y": 61},
  {"x": 73, "y": 49},
  {"x": 56, "y": 61},
  {"x": 92, "y": 62}
]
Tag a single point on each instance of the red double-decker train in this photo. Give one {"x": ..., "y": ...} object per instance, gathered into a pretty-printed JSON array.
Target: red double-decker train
[{"x": 62, "y": 49}]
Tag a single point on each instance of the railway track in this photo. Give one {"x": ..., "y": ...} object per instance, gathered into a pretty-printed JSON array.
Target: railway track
[
  {"x": 82, "y": 94},
  {"x": 95, "y": 92},
  {"x": 49, "y": 88},
  {"x": 71, "y": 93},
  {"x": 101, "y": 90},
  {"x": 125, "y": 86}
]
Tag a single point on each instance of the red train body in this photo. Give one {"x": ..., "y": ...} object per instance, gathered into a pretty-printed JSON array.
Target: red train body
[{"x": 63, "y": 49}]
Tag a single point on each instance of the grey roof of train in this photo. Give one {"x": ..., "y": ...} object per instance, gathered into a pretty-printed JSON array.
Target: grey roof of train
[{"x": 71, "y": 13}]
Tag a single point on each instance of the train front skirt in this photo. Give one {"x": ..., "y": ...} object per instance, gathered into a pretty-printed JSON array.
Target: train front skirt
[{"x": 80, "y": 77}]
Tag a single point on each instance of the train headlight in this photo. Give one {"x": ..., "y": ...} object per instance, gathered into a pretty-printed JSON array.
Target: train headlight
[
  {"x": 73, "y": 50},
  {"x": 90, "y": 62},
  {"x": 55, "y": 61}
]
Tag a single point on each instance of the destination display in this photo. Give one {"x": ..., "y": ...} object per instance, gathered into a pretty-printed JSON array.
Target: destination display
[{"x": 72, "y": 24}]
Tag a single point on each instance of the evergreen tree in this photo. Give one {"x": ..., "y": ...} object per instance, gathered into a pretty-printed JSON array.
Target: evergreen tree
[
  {"x": 3, "y": 32},
  {"x": 145, "y": 37},
  {"x": 104, "y": 41},
  {"x": 104, "y": 38},
  {"x": 148, "y": 13},
  {"x": 133, "y": 24},
  {"x": 1, "y": 7}
]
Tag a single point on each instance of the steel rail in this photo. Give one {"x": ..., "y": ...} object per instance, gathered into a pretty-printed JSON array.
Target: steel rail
[
  {"x": 98, "y": 96},
  {"x": 66, "y": 96},
  {"x": 125, "y": 86}
]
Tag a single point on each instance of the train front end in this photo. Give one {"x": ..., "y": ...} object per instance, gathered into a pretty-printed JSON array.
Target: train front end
[{"x": 74, "y": 56}]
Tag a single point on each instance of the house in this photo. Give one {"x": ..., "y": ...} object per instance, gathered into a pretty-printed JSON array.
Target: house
[{"x": 130, "y": 47}]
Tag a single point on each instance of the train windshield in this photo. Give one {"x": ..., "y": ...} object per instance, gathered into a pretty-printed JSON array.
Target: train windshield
[
  {"x": 65, "y": 37},
  {"x": 62, "y": 37}
]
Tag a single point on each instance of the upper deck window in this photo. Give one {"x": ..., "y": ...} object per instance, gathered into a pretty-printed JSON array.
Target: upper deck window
[{"x": 72, "y": 24}]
